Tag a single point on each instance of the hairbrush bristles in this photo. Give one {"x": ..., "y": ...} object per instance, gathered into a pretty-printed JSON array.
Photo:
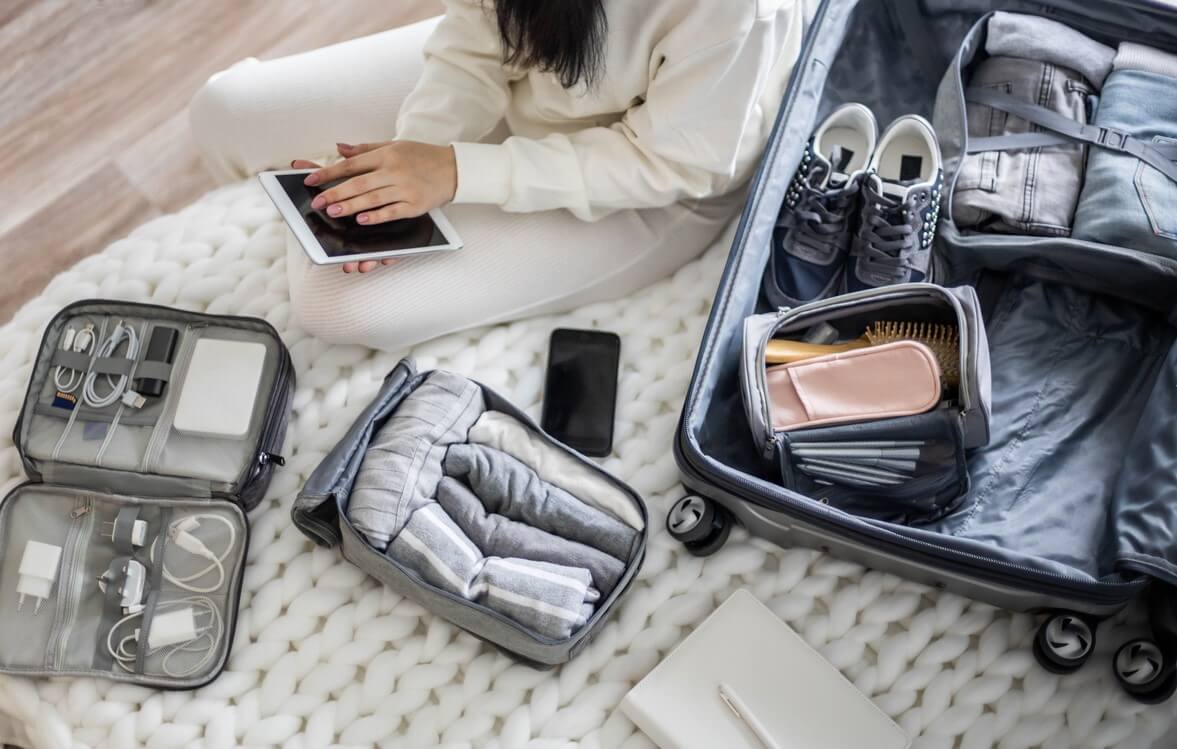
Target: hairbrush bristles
[{"x": 943, "y": 340}]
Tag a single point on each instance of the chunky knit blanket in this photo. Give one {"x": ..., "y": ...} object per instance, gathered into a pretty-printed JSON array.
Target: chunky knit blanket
[{"x": 324, "y": 655}]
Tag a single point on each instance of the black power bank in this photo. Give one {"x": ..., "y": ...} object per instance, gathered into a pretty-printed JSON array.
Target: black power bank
[{"x": 161, "y": 348}]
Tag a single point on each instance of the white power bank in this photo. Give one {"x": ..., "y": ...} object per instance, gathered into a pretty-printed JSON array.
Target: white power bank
[{"x": 220, "y": 387}]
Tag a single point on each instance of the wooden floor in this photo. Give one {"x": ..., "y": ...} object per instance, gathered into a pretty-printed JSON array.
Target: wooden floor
[{"x": 93, "y": 128}]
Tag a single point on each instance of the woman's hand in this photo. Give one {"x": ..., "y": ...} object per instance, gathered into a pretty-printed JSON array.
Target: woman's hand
[{"x": 388, "y": 181}]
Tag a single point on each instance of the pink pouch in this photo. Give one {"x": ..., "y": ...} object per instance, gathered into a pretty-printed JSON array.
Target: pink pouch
[{"x": 880, "y": 382}]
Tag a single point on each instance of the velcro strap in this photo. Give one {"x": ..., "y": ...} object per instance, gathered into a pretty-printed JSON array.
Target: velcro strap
[
  {"x": 113, "y": 365},
  {"x": 124, "y": 529},
  {"x": 1104, "y": 137},
  {"x": 71, "y": 360},
  {"x": 153, "y": 370}
]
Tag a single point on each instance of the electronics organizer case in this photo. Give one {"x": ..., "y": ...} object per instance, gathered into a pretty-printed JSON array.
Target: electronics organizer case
[
  {"x": 86, "y": 465},
  {"x": 321, "y": 514},
  {"x": 1072, "y": 498}
]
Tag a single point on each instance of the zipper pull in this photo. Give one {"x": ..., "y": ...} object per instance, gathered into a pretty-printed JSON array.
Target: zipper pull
[
  {"x": 264, "y": 458},
  {"x": 79, "y": 511}
]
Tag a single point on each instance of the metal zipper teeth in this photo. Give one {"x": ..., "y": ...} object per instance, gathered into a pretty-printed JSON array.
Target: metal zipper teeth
[
  {"x": 83, "y": 516},
  {"x": 799, "y": 314},
  {"x": 277, "y": 408}
]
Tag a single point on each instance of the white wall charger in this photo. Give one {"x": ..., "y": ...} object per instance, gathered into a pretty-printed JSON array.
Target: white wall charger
[
  {"x": 38, "y": 572},
  {"x": 172, "y": 628}
]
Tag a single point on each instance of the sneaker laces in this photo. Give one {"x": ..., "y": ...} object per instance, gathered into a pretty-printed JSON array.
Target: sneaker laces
[
  {"x": 888, "y": 237},
  {"x": 821, "y": 215}
]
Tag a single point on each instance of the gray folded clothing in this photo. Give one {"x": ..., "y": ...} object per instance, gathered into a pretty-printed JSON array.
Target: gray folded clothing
[
  {"x": 1028, "y": 190},
  {"x": 496, "y": 535},
  {"x": 510, "y": 488},
  {"x": 550, "y": 600},
  {"x": 402, "y": 466},
  {"x": 1037, "y": 38}
]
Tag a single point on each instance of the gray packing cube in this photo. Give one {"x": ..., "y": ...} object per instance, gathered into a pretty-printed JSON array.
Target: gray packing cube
[
  {"x": 114, "y": 488},
  {"x": 320, "y": 512},
  {"x": 940, "y": 476},
  {"x": 1072, "y": 501}
]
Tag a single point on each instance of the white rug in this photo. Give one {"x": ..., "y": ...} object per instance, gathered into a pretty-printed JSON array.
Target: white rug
[{"x": 324, "y": 655}]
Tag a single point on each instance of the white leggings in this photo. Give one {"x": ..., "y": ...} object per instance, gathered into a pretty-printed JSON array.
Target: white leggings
[{"x": 261, "y": 115}]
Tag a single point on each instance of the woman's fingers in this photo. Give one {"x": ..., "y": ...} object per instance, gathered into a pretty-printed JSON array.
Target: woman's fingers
[
  {"x": 374, "y": 199},
  {"x": 349, "y": 167},
  {"x": 368, "y": 265},
  {"x": 303, "y": 164},
  {"x": 356, "y": 194},
  {"x": 389, "y": 213},
  {"x": 350, "y": 267},
  {"x": 347, "y": 149}
]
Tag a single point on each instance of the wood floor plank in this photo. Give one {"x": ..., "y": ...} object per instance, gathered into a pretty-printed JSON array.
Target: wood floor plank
[{"x": 103, "y": 207}]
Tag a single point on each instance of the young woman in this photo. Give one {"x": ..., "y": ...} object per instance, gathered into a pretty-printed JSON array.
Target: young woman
[{"x": 583, "y": 149}]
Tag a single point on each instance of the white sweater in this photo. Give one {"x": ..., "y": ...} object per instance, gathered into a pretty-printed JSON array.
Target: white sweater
[{"x": 687, "y": 100}]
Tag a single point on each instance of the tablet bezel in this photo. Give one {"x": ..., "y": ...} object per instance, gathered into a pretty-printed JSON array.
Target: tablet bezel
[{"x": 310, "y": 243}]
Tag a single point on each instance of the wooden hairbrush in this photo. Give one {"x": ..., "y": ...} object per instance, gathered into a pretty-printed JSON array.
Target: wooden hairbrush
[{"x": 943, "y": 340}]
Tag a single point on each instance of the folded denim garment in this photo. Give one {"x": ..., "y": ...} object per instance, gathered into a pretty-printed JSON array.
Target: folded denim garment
[
  {"x": 1125, "y": 201},
  {"x": 502, "y": 432},
  {"x": 512, "y": 489},
  {"x": 1028, "y": 190},
  {"x": 498, "y": 536},
  {"x": 400, "y": 471},
  {"x": 550, "y": 600}
]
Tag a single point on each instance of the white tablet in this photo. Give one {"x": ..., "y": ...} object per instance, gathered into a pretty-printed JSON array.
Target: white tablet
[{"x": 329, "y": 240}]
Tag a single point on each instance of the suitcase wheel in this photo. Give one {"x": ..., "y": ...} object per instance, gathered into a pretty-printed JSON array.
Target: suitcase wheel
[
  {"x": 1064, "y": 643},
  {"x": 1143, "y": 671},
  {"x": 699, "y": 524}
]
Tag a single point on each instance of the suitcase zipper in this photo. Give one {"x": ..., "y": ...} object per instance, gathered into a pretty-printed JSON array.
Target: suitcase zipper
[{"x": 70, "y": 589}]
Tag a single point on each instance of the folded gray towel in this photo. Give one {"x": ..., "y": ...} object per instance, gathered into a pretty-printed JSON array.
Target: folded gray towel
[
  {"x": 402, "y": 466},
  {"x": 550, "y": 600},
  {"x": 495, "y": 535},
  {"x": 510, "y": 488}
]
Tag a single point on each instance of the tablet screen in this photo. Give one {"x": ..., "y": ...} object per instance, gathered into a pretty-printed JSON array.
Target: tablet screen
[{"x": 340, "y": 237}]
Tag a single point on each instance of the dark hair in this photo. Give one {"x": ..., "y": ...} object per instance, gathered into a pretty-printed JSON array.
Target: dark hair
[{"x": 565, "y": 37}]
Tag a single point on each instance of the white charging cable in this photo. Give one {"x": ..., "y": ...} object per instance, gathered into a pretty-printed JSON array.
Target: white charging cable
[
  {"x": 174, "y": 629},
  {"x": 80, "y": 342},
  {"x": 118, "y": 388},
  {"x": 181, "y": 534}
]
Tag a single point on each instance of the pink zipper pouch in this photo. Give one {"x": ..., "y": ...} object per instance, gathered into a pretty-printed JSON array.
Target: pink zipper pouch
[{"x": 879, "y": 382}]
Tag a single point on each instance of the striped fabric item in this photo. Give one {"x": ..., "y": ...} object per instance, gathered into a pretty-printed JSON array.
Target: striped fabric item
[{"x": 551, "y": 600}]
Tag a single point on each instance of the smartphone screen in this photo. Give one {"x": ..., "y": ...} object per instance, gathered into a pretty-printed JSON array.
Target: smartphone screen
[{"x": 580, "y": 394}]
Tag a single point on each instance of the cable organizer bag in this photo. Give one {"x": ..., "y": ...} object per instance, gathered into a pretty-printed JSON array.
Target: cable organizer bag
[
  {"x": 122, "y": 556},
  {"x": 472, "y": 561}
]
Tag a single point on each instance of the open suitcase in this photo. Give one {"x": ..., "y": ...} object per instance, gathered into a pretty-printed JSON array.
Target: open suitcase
[{"x": 1067, "y": 503}]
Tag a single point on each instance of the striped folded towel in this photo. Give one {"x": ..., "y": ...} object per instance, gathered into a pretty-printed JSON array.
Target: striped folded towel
[{"x": 551, "y": 600}]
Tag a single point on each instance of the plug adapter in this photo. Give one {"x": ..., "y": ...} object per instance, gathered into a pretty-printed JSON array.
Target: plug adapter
[
  {"x": 172, "y": 628},
  {"x": 38, "y": 572}
]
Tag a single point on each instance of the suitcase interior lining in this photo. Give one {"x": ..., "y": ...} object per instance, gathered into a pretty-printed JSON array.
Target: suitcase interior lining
[{"x": 1079, "y": 477}]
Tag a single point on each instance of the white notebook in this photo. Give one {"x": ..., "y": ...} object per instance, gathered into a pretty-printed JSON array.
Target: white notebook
[{"x": 794, "y": 696}]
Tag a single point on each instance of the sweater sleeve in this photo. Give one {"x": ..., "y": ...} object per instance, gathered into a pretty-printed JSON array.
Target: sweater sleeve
[
  {"x": 689, "y": 138},
  {"x": 462, "y": 93}
]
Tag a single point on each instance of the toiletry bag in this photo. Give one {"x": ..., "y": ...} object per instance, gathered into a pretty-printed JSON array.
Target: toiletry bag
[
  {"x": 321, "y": 512},
  {"x": 127, "y": 524},
  {"x": 821, "y": 402}
]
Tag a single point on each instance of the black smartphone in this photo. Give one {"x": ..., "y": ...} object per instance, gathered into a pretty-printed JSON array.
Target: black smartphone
[{"x": 580, "y": 393}]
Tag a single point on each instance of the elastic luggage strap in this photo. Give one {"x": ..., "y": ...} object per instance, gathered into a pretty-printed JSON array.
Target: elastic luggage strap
[{"x": 1064, "y": 130}]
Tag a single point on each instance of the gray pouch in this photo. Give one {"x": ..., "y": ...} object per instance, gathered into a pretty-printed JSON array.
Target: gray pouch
[
  {"x": 321, "y": 513},
  {"x": 123, "y": 555},
  {"x": 905, "y": 469}
]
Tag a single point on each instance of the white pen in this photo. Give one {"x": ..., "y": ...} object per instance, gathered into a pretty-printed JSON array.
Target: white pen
[{"x": 746, "y": 716}]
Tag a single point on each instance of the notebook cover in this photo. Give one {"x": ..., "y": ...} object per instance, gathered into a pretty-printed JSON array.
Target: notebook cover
[{"x": 801, "y": 700}]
